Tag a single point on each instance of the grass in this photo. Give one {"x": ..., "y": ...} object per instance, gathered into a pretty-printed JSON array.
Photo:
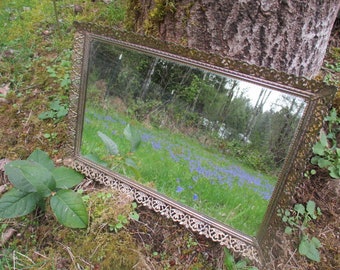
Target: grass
[{"x": 182, "y": 169}]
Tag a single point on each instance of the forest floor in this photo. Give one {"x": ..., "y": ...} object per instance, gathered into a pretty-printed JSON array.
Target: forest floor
[{"x": 35, "y": 61}]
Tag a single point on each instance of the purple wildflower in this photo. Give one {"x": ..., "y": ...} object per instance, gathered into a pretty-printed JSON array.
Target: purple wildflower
[
  {"x": 146, "y": 137},
  {"x": 195, "y": 197},
  {"x": 156, "y": 145},
  {"x": 173, "y": 156},
  {"x": 109, "y": 118},
  {"x": 179, "y": 189}
]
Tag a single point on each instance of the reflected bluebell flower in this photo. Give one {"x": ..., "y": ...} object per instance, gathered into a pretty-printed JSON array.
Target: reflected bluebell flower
[
  {"x": 156, "y": 145},
  {"x": 179, "y": 189}
]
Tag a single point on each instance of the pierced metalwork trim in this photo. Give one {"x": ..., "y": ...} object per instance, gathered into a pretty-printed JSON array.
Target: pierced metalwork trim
[
  {"x": 72, "y": 117},
  {"x": 231, "y": 242}
]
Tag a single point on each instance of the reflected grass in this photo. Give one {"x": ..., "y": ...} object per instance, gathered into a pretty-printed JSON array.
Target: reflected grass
[{"x": 183, "y": 169}]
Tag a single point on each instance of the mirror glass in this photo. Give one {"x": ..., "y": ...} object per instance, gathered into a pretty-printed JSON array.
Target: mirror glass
[{"x": 211, "y": 142}]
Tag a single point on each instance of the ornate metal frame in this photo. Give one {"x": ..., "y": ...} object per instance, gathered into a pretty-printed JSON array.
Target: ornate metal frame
[{"x": 316, "y": 94}]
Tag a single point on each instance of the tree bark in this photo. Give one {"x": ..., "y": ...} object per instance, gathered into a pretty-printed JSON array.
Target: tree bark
[{"x": 287, "y": 35}]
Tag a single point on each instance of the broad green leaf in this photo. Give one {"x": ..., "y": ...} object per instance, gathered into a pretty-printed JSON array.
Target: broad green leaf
[
  {"x": 324, "y": 163},
  {"x": 133, "y": 137},
  {"x": 318, "y": 149},
  {"x": 309, "y": 249},
  {"x": 16, "y": 203},
  {"x": 323, "y": 139},
  {"x": 334, "y": 172},
  {"x": 41, "y": 203},
  {"x": 30, "y": 176},
  {"x": 42, "y": 158},
  {"x": 69, "y": 209},
  {"x": 338, "y": 153},
  {"x": 46, "y": 115},
  {"x": 119, "y": 226},
  {"x": 332, "y": 118},
  {"x": 288, "y": 230},
  {"x": 299, "y": 208},
  {"x": 315, "y": 160},
  {"x": 62, "y": 112},
  {"x": 310, "y": 207},
  {"x": 66, "y": 177},
  {"x": 316, "y": 242},
  {"x": 110, "y": 145},
  {"x": 134, "y": 216},
  {"x": 66, "y": 81},
  {"x": 55, "y": 105}
]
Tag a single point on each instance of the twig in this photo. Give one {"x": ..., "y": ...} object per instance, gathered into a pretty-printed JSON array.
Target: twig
[
  {"x": 41, "y": 255},
  {"x": 68, "y": 249},
  {"x": 22, "y": 255},
  {"x": 290, "y": 258}
]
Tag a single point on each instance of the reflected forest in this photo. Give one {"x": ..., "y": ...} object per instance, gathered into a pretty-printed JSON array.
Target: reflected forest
[{"x": 211, "y": 142}]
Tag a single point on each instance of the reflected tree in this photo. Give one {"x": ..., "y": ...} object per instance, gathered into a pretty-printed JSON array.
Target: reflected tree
[
  {"x": 170, "y": 94},
  {"x": 257, "y": 111}
]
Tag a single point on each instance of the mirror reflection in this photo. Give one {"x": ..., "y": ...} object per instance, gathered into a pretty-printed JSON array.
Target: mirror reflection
[{"x": 211, "y": 142}]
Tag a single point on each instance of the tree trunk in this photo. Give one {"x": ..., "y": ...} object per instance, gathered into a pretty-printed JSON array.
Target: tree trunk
[
  {"x": 287, "y": 35},
  {"x": 258, "y": 109},
  {"x": 148, "y": 78}
]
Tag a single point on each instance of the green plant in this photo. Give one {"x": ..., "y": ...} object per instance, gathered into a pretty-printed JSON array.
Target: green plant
[
  {"x": 334, "y": 67},
  {"x": 230, "y": 264},
  {"x": 37, "y": 179},
  {"x": 57, "y": 111},
  {"x": 191, "y": 242},
  {"x": 327, "y": 153},
  {"x": 60, "y": 73},
  {"x": 122, "y": 220},
  {"x": 133, "y": 214},
  {"x": 298, "y": 219},
  {"x": 308, "y": 174},
  {"x": 117, "y": 160},
  {"x": 50, "y": 136}
]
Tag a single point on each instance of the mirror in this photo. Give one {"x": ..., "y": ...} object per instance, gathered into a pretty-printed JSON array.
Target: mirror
[
  {"x": 208, "y": 146},
  {"x": 212, "y": 142}
]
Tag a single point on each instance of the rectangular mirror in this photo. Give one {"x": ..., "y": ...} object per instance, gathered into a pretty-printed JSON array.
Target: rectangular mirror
[{"x": 206, "y": 141}]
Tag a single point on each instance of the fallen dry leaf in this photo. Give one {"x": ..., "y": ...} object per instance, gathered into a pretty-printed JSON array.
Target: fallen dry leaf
[
  {"x": 6, "y": 235},
  {"x": 4, "y": 89},
  {"x": 3, "y": 177}
]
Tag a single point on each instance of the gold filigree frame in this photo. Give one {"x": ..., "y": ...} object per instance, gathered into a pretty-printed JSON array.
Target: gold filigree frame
[{"x": 317, "y": 96}]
